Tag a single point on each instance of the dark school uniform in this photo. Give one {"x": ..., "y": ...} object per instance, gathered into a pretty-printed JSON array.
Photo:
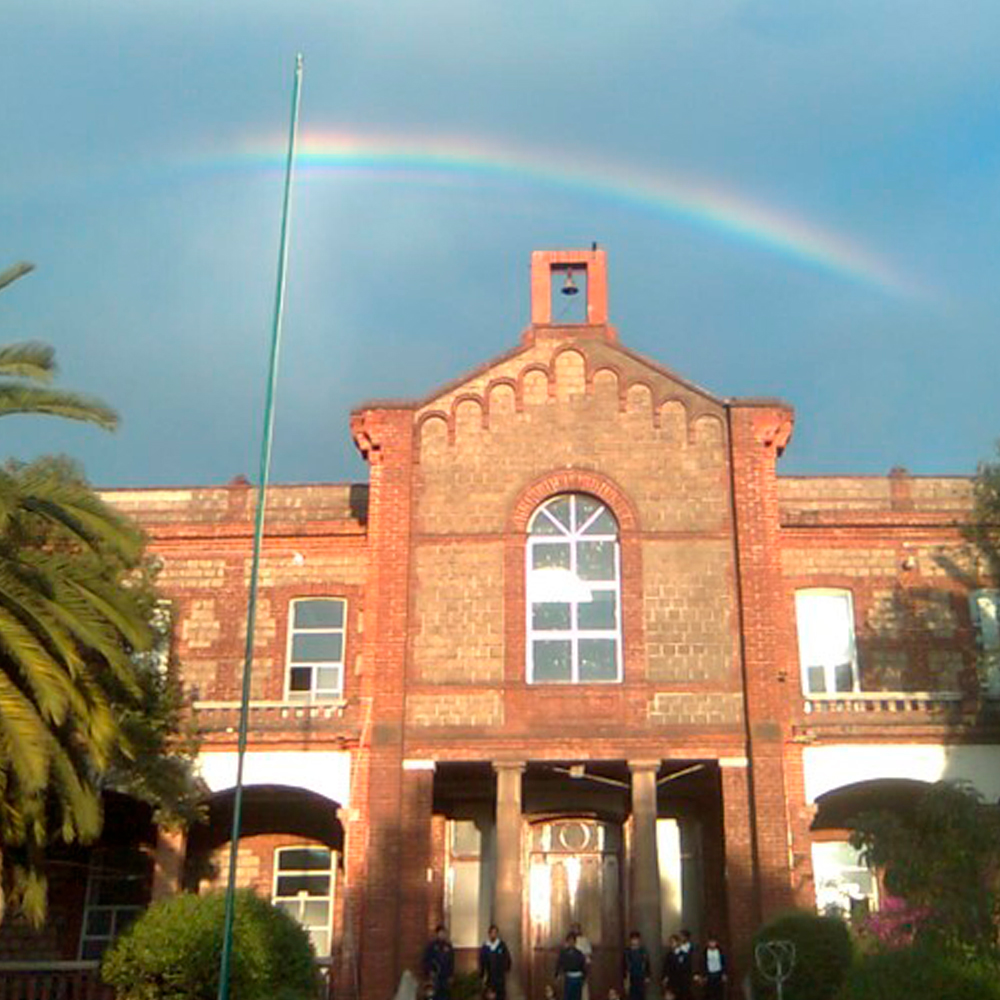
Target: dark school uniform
[
  {"x": 713, "y": 968},
  {"x": 636, "y": 970},
  {"x": 439, "y": 967},
  {"x": 572, "y": 966},
  {"x": 494, "y": 964}
]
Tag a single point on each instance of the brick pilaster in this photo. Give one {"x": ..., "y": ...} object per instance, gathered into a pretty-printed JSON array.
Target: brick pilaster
[
  {"x": 758, "y": 433},
  {"x": 385, "y": 438},
  {"x": 416, "y": 877}
]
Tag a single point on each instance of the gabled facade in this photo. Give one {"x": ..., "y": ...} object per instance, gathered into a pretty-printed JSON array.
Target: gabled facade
[{"x": 574, "y": 653}]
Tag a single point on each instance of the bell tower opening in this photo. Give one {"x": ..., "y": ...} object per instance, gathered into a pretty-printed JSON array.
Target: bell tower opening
[{"x": 569, "y": 287}]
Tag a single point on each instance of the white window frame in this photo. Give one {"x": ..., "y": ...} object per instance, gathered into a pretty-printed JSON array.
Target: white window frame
[
  {"x": 315, "y": 693},
  {"x": 103, "y": 867},
  {"x": 836, "y": 889},
  {"x": 301, "y": 898},
  {"x": 564, "y": 586},
  {"x": 828, "y": 664},
  {"x": 984, "y": 609}
]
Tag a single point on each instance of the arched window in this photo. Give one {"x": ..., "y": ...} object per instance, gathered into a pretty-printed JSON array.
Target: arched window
[{"x": 573, "y": 593}]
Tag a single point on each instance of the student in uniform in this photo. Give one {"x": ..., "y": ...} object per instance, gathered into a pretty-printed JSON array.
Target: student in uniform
[
  {"x": 439, "y": 963},
  {"x": 494, "y": 963},
  {"x": 713, "y": 970},
  {"x": 572, "y": 967},
  {"x": 635, "y": 967}
]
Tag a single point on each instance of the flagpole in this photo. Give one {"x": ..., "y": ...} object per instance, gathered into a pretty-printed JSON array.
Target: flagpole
[{"x": 258, "y": 534}]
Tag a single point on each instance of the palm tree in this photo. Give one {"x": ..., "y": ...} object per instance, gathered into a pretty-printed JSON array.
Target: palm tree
[{"x": 71, "y": 621}]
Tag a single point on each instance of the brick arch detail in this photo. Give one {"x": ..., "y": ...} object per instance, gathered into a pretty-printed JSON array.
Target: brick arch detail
[{"x": 573, "y": 481}]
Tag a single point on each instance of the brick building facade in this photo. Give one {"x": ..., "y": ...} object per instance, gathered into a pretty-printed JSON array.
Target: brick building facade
[{"x": 575, "y": 652}]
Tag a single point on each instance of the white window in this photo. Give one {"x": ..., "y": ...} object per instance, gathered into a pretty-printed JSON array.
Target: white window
[
  {"x": 985, "y": 608},
  {"x": 827, "y": 656},
  {"x": 316, "y": 649},
  {"x": 118, "y": 891},
  {"x": 845, "y": 886},
  {"x": 573, "y": 594},
  {"x": 303, "y": 888},
  {"x": 464, "y": 883}
]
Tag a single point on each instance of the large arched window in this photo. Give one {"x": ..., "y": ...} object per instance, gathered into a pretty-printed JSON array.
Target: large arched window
[{"x": 573, "y": 593}]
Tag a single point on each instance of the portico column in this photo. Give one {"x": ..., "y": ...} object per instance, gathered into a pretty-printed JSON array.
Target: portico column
[
  {"x": 507, "y": 905},
  {"x": 644, "y": 871}
]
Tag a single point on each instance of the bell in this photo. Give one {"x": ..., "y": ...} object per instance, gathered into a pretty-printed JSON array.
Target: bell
[{"x": 569, "y": 288}]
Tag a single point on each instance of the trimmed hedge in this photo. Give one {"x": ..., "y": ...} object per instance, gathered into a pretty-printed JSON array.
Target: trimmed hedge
[
  {"x": 172, "y": 952},
  {"x": 919, "y": 973},
  {"x": 823, "y": 955}
]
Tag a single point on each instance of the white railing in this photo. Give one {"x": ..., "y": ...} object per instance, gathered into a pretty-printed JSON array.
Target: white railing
[
  {"x": 863, "y": 702},
  {"x": 274, "y": 710}
]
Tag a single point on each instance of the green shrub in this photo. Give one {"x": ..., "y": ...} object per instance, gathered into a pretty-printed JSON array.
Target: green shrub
[
  {"x": 920, "y": 973},
  {"x": 467, "y": 986},
  {"x": 172, "y": 952},
  {"x": 823, "y": 954}
]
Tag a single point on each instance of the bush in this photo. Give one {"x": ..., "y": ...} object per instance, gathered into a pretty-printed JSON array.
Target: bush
[
  {"x": 823, "y": 954},
  {"x": 920, "y": 974},
  {"x": 172, "y": 952}
]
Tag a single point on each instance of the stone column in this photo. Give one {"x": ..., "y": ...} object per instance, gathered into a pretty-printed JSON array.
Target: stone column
[
  {"x": 508, "y": 903},
  {"x": 644, "y": 871},
  {"x": 168, "y": 862}
]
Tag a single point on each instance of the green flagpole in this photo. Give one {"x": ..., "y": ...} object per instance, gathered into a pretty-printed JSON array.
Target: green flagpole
[{"x": 258, "y": 534}]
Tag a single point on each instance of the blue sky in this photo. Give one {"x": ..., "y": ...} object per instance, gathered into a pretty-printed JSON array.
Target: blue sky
[{"x": 132, "y": 176}]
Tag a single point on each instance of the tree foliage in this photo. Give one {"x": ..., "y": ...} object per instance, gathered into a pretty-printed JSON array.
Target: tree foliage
[
  {"x": 84, "y": 701},
  {"x": 984, "y": 530},
  {"x": 173, "y": 950},
  {"x": 943, "y": 858},
  {"x": 823, "y": 954},
  {"x": 920, "y": 973}
]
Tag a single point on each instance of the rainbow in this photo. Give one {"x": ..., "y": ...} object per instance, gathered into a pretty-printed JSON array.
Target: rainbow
[{"x": 690, "y": 201}]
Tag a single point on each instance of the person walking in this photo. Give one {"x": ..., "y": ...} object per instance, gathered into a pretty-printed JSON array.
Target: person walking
[
  {"x": 439, "y": 963},
  {"x": 635, "y": 967},
  {"x": 713, "y": 970},
  {"x": 684, "y": 966},
  {"x": 572, "y": 969},
  {"x": 494, "y": 963}
]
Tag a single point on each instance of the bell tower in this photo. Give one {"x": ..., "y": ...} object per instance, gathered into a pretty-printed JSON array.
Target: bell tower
[{"x": 572, "y": 273}]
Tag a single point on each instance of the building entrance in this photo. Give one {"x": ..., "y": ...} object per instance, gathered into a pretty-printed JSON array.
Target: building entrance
[{"x": 574, "y": 871}]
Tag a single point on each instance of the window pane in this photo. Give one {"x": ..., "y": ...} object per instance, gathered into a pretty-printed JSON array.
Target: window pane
[
  {"x": 319, "y": 614},
  {"x": 542, "y": 524},
  {"x": 328, "y": 679},
  {"x": 124, "y": 918},
  {"x": 596, "y": 560},
  {"x": 826, "y": 628},
  {"x": 93, "y": 949},
  {"x": 98, "y": 923},
  {"x": 546, "y": 556},
  {"x": 597, "y": 660},
  {"x": 585, "y": 508},
  {"x": 311, "y": 885},
  {"x": 304, "y": 859},
  {"x": 843, "y": 677},
  {"x": 310, "y": 647},
  {"x": 316, "y": 913},
  {"x": 466, "y": 838},
  {"x": 816, "y": 680},
  {"x": 559, "y": 510},
  {"x": 603, "y": 524},
  {"x": 463, "y": 915},
  {"x": 552, "y": 660},
  {"x": 118, "y": 891},
  {"x": 321, "y": 942},
  {"x": 550, "y": 616},
  {"x": 599, "y": 612},
  {"x": 290, "y": 906},
  {"x": 300, "y": 679}
]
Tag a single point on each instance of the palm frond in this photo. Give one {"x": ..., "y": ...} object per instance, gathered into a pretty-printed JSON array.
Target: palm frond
[
  {"x": 29, "y": 359},
  {"x": 27, "y": 741},
  {"x": 15, "y": 398},
  {"x": 15, "y": 271}
]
